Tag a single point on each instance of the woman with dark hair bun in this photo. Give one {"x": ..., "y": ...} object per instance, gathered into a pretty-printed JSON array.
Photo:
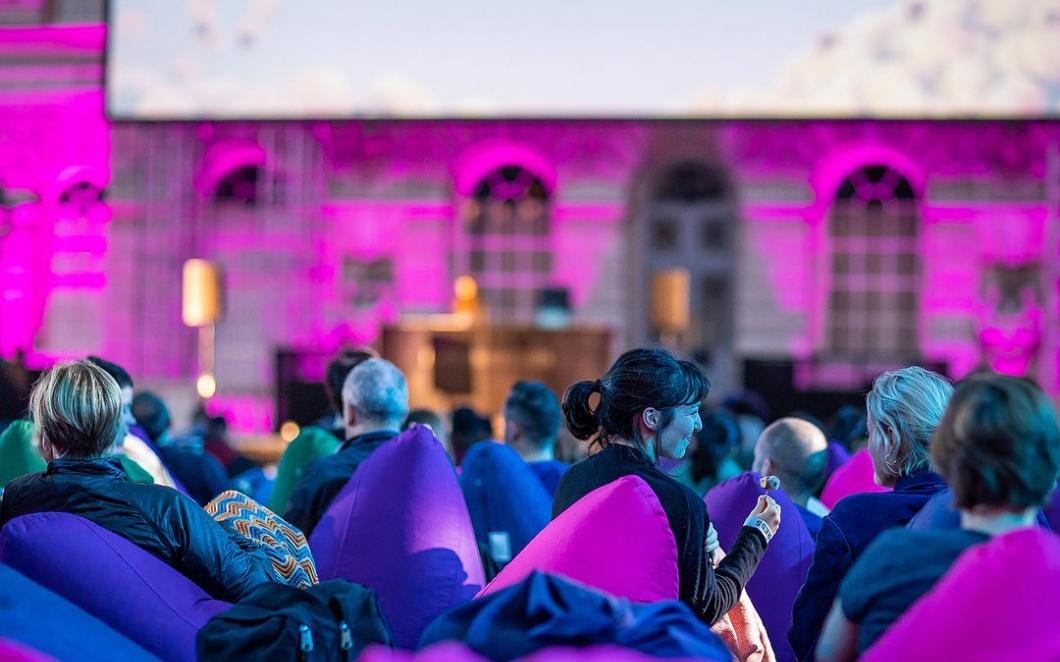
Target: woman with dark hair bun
[{"x": 646, "y": 408}]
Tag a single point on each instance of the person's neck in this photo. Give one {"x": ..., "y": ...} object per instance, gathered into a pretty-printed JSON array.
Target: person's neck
[
  {"x": 533, "y": 454},
  {"x": 647, "y": 449},
  {"x": 366, "y": 428},
  {"x": 995, "y": 521}
]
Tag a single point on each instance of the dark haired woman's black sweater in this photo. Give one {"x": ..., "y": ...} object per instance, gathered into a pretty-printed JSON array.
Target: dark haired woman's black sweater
[{"x": 710, "y": 592}]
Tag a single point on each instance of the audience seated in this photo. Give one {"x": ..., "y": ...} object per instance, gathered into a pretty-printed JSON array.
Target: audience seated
[
  {"x": 647, "y": 407},
  {"x": 375, "y": 401},
  {"x": 998, "y": 447},
  {"x": 131, "y": 446},
  {"x": 710, "y": 461},
  {"x": 200, "y": 473},
  {"x": 321, "y": 440},
  {"x": 904, "y": 408},
  {"x": 795, "y": 451},
  {"x": 532, "y": 420},
  {"x": 78, "y": 408}
]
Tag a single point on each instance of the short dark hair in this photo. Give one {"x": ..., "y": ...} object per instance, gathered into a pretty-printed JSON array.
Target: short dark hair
[
  {"x": 998, "y": 444},
  {"x": 114, "y": 370},
  {"x": 638, "y": 379},
  {"x": 535, "y": 408},
  {"x": 339, "y": 368},
  {"x": 427, "y": 417},
  {"x": 151, "y": 414}
]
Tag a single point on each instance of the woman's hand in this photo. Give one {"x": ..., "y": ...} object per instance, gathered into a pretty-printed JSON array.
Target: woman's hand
[{"x": 767, "y": 510}]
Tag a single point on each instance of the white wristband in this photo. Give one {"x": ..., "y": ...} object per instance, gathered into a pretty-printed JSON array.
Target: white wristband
[{"x": 760, "y": 525}]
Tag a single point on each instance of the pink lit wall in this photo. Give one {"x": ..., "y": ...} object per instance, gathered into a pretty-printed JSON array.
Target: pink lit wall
[{"x": 359, "y": 224}]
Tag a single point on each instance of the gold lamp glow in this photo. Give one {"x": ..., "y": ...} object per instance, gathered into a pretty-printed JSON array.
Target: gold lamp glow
[{"x": 201, "y": 300}]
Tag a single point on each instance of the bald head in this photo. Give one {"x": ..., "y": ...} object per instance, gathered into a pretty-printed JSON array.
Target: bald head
[{"x": 796, "y": 452}]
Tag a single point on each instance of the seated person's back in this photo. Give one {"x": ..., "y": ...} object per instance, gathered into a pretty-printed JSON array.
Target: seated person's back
[
  {"x": 998, "y": 447},
  {"x": 78, "y": 410},
  {"x": 532, "y": 419},
  {"x": 375, "y": 403}
]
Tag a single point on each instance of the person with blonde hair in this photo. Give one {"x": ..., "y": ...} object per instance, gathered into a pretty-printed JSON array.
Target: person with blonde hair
[
  {"x": 904, "y": 408},
  {"x": 78, "y": 413}
]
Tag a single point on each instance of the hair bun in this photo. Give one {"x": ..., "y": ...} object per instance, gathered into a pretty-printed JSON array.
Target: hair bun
[{"x": 582, "y": 420}]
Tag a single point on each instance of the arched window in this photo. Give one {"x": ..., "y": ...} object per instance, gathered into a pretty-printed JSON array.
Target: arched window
[
  {"x": 508, "y": 240},
  {"x": 239, "y": 187},
  {"x": 874, "y": 264}
]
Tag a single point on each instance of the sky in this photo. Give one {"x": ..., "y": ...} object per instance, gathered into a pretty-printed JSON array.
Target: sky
[{"x": 575, "y": 58}]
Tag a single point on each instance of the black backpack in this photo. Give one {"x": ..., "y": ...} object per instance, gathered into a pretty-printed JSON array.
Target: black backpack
[{"x": 330, "y": 621}]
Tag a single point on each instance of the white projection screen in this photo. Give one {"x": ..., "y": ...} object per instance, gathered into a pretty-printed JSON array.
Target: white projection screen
[{"x": 636, "y": 59}]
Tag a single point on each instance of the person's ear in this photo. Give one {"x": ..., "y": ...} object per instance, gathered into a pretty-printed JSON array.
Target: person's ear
[
  {"x": 767, "y": 467},
  {"x": 650, "y": 416},
  {"x": 512, "y": 431},
  {"x": 349, "y": 414}
]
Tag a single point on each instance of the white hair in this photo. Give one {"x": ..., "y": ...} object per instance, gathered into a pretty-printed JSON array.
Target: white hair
[
  {"x": 905, "y": 406},
  {"x": 377, "y": 392}
]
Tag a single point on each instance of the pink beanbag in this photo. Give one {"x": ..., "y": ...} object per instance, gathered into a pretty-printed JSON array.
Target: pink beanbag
[
  {"x": 997, "y": 602},
  {"x": 602, "y": 653},
  {"x": 854, "y": 477},
  {"x": 12, "y": 651},
  {"x": 446, "y": 651},
  {"x": 615, "y": 539},
  {"x": 400, "y": 527}
]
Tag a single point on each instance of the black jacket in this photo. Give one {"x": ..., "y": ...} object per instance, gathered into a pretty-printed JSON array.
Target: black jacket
[
  {"x": 325, "y": 478},
  {"x": 157, "y": 519},
  {"x": 709, "y": 591}
]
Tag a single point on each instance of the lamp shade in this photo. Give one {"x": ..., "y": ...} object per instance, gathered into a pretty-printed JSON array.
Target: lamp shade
[
  {"x": 669, "y": 300},
  {"x": 201, "y": 293}
]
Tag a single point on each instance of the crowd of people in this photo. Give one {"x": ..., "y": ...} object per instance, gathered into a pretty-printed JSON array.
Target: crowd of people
[{"x": 889, "y": 496}]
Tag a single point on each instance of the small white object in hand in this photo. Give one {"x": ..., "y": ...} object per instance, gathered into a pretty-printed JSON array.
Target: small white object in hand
[{"x": 769, "y": 483}]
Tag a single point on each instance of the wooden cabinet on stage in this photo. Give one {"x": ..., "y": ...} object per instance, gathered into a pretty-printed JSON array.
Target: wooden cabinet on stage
[{"x": 448, "y": 366}]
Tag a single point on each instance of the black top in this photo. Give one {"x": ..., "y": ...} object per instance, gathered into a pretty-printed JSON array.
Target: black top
[
  {"x": 157, "y": 519},
  {"x": 324, "y": 479},
  {"x": 845, "y": 533},
  {"x": 894, "y": 572},
  {"x": 708, "y": 591}
]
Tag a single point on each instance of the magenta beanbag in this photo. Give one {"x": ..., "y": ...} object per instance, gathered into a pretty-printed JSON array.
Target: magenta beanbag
[
  {"x": 783, "y": 568},
  {"x": 400, "y": 527},
  {"x": 122, "y": 585},
  {"x": 615, "y": 539},
  {"x": 854, "y": 477},
  {"x": 997, "y": 602},
  {"x": 446, "y": 651}
]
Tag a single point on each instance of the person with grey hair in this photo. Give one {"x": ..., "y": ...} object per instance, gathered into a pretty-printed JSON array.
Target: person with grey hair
[
  {"x": 375, "y": 402},
  {"x": 904, "y": 408},
  {"x": 78, "y": 411}
]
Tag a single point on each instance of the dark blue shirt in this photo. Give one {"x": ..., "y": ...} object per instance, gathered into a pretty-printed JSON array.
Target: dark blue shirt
[
  {"x": 845, "y": 533},
  {"x": 894, "y": 572}
]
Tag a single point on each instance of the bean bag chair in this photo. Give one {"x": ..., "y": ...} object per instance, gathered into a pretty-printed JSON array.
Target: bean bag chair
[
  {"x": 111, "y": 578},
  {"x": 18, "y": 454},
  {"x": 400, "y": 527},
  {"x": 548, "y": 610},
  {"x": 601, "y": 653},
  {"x": 13, "y": 652},
  {"x": 997, "y": 602},
  {"x": 838, "y": 455},
  {"x": 854, "y": 477},
  {"x": 448, "y": 651},
  {"x": 506, "y": 500},
  {"x": 39, "y": 620},
  {"x": 615, "y": 539},
  {"x": 312, "y": 443},
  {"x": 782, "y": 570}
]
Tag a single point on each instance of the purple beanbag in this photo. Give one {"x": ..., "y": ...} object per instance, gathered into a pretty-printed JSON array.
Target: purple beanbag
[
  {"x": 997, "y": 602},
  {"x": 124, "y": 586},
  {"x": 400, "y": 527},
  {"x": 854, "y": 477},
  {"x": 838, "y": 456},
  {"x": 446, "y": 651},
  {"x": 615, "y": 539},
  {"x": 783, "y": 568},
  {"x": 507, "y": 502}
]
